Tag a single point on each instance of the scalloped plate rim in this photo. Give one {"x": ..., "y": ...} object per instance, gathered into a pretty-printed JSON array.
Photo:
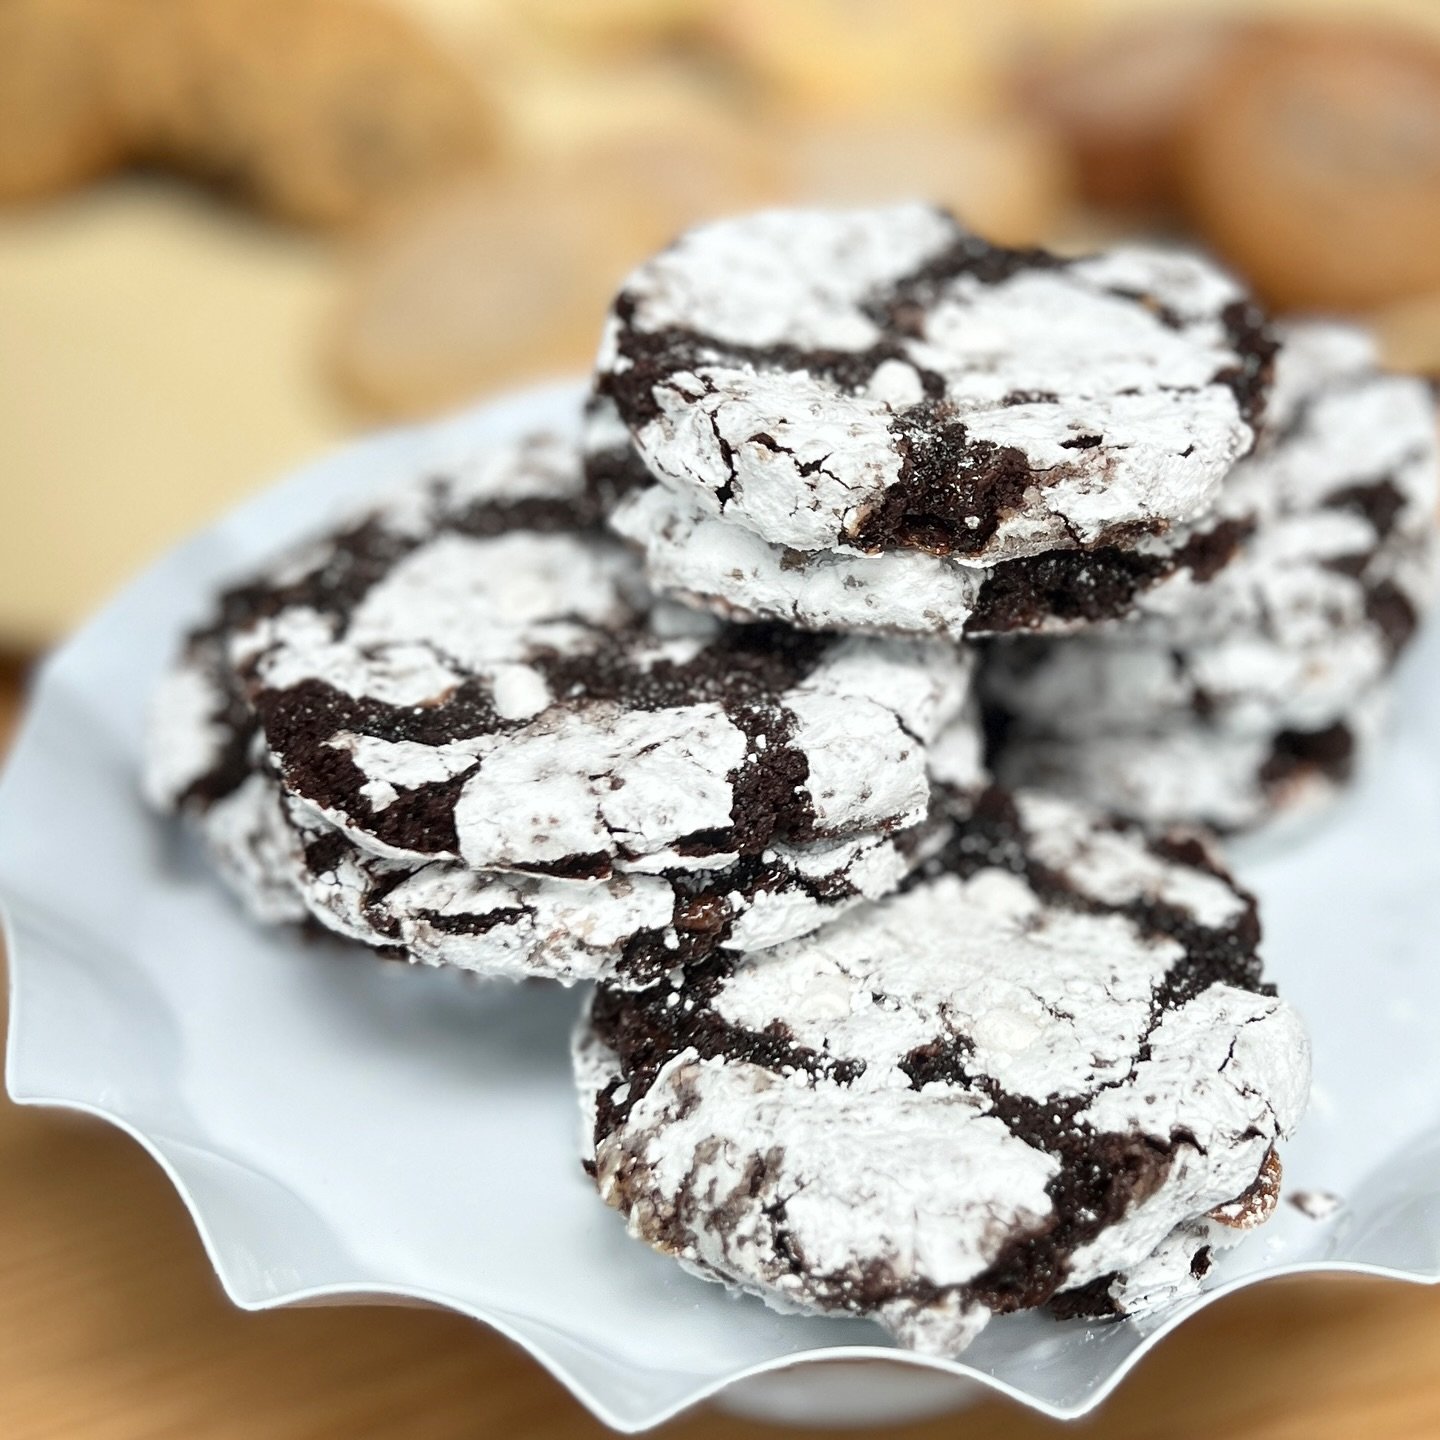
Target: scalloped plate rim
[
  {"x": 341, "y": 1292},
  {"x": 210, "y": 1230}
]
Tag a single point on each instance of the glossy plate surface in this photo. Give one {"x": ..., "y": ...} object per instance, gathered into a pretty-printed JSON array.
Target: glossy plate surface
[{"x": 346, "y": 1128}]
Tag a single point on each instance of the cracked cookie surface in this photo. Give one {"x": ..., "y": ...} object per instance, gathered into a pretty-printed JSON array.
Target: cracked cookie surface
[
  {"x": 1193, "y": 773},
  {"x": 885, "y": 381},
  {"x": 731, "y": 571},
  {"x": 208, "y": 758},
  {"x": 1047, "y": 1060},
  {"x": 473, "y": 671},
  {"x": 1224, "y": 687},
  {"x": 286, "y": 865}
]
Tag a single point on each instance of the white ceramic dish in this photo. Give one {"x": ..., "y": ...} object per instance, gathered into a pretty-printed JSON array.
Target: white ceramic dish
[{"x": 342, "y": 1128}]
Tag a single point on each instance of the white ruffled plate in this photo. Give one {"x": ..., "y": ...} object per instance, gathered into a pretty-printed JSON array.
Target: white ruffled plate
[{"x": 342, "y": 1128}]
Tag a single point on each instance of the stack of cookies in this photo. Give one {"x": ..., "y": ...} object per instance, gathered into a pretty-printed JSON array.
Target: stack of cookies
[
  {"x": 880, "y": 423},
  {"x": 683, "y": 698},
  {"x": 461, "y": 727},
  {"x": 1255, "y": 693}
]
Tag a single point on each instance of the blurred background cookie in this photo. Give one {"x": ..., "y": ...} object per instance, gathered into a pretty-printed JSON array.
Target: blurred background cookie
[
  {"x": 460, "y": 182},
  {"x": 320, "y": 110},
  {"x": 1313, "y": 164},
  {"x": 612, "y": 27},
  {"x": 1409, "y": 334},
  {"x": 503, "y": 276},
  {"x": 1007, "y": 177},
  {"x": 661, "y": 136},
  {"x": 490, "y": 283},
  {"x": 852, "y": 57},
  {"x": 57, "y": 127},
  {"x": 1118, "y": 99}
]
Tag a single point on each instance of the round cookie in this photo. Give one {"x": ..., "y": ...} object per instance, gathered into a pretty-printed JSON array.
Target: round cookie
[
  {"x": 1118, "y": 97},
  {"x": 1313, "y": 163},
  {"x": 1314, "y": 611},
  {"x": 483, "y": 677},
  {"x": 1006, "y": 173},
  {"x": 1033, "y": 1075},
  {"x": 325, "y": 112},
  {"x": 886, "y": 381},
  {"x": 836, "y": 60},
  {"x": 727, "y": 569},
  {"x": 206, "y": 758},
  {"x": 287, "y": 865}
]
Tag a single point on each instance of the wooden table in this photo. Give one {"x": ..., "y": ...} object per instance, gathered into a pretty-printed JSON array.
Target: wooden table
[{"x": 112, "y": 1327}]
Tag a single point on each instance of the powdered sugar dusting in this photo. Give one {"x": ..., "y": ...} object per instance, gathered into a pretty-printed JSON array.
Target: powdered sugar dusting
[
  {"x": 503, "y": 690},
  {"x": 798, "y": 277},
  {"x": 731, "y": 569},
  {"x": 786, "y": 370},
  {"x": 873, "y": 1119},
  {"x": 1198, "y": 708}
]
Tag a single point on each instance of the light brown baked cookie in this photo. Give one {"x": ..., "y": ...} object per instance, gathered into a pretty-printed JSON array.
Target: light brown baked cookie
[
  {"x": 827, "y": 58},
  {"x": 492, "y": 281},
  {"x": 505, "y": 276},
  {"x": 1409, "y": 335},
  {"x": 610, "y": 27},
  {"x": 1007, "y": 177},
  {"x": 648, "y": 118},
  {"x": 322, "y": 111},
  {"x": 1119, "y": 99},
  {"x": 57, "y": 128},
  {"x": 1313, "y": 164}
]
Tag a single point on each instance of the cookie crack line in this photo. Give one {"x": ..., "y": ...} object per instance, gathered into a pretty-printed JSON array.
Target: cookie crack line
[
  {"x": 804, "y": 392},
  {"x": 1101, "y": 1176},
  {"x": 344, "y": 720}
]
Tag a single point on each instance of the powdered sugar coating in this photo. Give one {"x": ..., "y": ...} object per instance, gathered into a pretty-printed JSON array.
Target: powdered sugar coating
[
  {"x": 186, "y": 734},
  {"x": 624, "y": 929},
  {"x": 1107, "y": 865},
  {"x": 908, "y": 1116},
  {"x": 1214, "y": 684},
  {"x": 287, "y": 865},
  {"x": 1351, "y": 474},
  {"x": 253, "y": 850},
  {"x": 920, "y": 389},
  {"x": 730, "y": 571},
  {"x": 1193, "y": 773},
  {"x": 476, "y": 673},
  {"x": 938, "y": 1179},
  {"x": 1327, "y": 616}
]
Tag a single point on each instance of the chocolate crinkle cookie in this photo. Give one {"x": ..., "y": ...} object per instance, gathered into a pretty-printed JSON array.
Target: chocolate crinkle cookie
[
  {"x": 1047, "y": 1072},
  {"x": 1255, "y": 693},
  {"x": 459, "y": 727},
  {"x": 877, "y": 420},
  {"x": 478, "y": 677},
  {"x": 288, "y": 865}
]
